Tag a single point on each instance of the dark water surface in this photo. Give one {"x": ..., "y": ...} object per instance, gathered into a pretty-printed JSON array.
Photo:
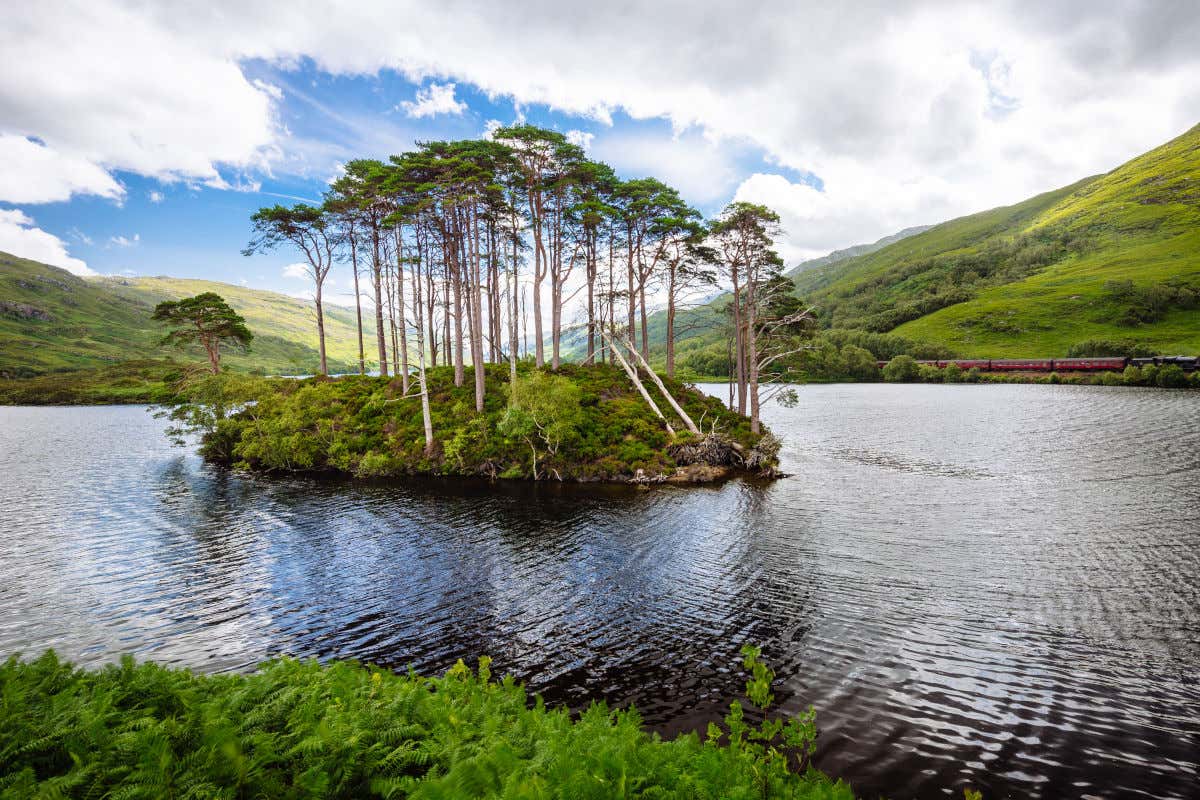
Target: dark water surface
[{"x": 996, "y": 586}]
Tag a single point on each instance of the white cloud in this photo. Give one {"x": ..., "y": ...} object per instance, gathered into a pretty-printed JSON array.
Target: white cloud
[
  {"x": 580, "y": 138},
  {"x": 34, "y": 173},
  {"x": 297, "y": 270},
  {"x": 19, "y": 236},
  {"x": 909, "y": 112},
  {"x": 271, "y": 89},
  {"x": 434, "y": 99},
  {"x": 924, "y": 108},
  {"x": 111, "y": 86},
  {"x": 124, "y": 241},
  {"x": 156, "y": 197},
  {"x": 704, "y": 171}
]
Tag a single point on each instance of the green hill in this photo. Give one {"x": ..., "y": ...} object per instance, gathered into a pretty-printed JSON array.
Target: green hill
[
  {"x": 1114, "y": 257},
  {"x": 51, "y": 320},
  {"x": 695, "y": 326}
]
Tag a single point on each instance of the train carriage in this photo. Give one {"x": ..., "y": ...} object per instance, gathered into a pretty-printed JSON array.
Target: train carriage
[
  {"x": 1088, "y": 364},
  {"x": 1022, "y": 365}
]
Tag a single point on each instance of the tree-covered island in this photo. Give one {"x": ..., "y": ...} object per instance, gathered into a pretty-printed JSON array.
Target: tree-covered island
[
  {"x": 580, "y": 423},
  {"x": 456, "y": 241}
]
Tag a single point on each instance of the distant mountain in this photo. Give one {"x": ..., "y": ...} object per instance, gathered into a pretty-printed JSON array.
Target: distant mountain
[
  {"x": 1114, "y": 257},
  {"x": 53, "y": 320},
  {"x": 855, "y": 250}
]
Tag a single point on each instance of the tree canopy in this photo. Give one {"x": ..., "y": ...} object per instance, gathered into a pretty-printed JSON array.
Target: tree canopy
[{"x": 205, "y": 319}]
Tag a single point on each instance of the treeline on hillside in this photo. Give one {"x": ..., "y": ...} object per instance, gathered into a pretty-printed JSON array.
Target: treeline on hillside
[
  {"x": 832, "y": 355},
  {"x": 468, "y": 250},
  {"x": 912, "y": 289},
  {"x": 905, "y": 369}
]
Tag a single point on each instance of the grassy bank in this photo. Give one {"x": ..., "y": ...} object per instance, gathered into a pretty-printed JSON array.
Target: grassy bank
[
  {"x": 143, "y": 381},
  {"x": 300, "y": 730},
  {"x": 582, "y": 423},
  {"x": 904, "y": 369}
]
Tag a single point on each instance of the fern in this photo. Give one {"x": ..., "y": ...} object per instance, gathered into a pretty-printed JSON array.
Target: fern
[{"x": 302, "y": 730}]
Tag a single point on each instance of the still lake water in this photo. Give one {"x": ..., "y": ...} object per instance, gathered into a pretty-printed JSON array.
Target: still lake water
[{"x": 995, "y": 586}]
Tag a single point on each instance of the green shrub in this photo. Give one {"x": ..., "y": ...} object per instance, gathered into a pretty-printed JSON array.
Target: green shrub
[
  {"x": 1132, "y": 376},
  {"x": 973, "y": 375},
  {"x": 1099, "y": 348},
  {"x": 952, "y": 374},
  {"x": 900, "y": 369},
  {"x": 584, "y": 422},
  {"x": 859, "y": 364},
  {"x": 928, "y": 373},
  {"x": 299, "y": 730},
  {"x": 1110, "y": 379},
  {"x": 1172, "y": 376}
]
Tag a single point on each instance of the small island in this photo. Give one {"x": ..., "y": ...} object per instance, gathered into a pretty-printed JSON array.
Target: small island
[{"x": 581, "y": 423}]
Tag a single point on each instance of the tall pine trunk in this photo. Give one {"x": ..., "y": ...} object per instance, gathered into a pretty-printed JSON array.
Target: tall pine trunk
[
  {"x": 403, "y": 357},
  {"x": 362, "y": 355},
  {"x": 752, "y": 352},
  {"x": 629, "y": 280},
  {"x": 739, "y": 348},
  {"x": 320, "y": 327},
  {"x": 671, "y": 323},
  {"x": 377, "y": 275},
  {"x": 456, "y": 250}
]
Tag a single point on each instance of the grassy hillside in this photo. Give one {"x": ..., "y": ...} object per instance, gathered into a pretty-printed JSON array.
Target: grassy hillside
[
  {"x": 1114, "y": 257},
  {"x": 696, "y": 326},
  {"x": 1112, "y": 262},
  {"x": 285, "y": 318},
  {"x": 51, "y": 320}
]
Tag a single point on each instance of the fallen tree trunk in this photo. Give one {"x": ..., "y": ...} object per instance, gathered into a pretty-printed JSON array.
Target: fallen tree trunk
[
  {"x": 683, "y": 415},
  {"x": 632, "y": 373}
]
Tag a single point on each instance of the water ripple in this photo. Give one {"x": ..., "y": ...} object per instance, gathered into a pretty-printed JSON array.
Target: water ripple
[{"x": 989, "y": 586}]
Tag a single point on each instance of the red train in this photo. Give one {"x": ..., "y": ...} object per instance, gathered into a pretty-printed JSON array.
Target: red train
[{"x": 1111, "y": 364}]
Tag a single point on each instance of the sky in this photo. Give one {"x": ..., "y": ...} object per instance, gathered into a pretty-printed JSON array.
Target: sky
[{"x": 138, "y": 138}]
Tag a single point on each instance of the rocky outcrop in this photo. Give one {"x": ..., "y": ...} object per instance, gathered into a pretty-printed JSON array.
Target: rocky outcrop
[{"x": 23, "y": 311}]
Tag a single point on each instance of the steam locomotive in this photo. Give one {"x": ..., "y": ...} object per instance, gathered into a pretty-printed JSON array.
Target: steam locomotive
[{"x": 1188, "y": 363}]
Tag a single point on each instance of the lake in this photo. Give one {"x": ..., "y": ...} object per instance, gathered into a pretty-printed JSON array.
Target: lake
[{"x": 994, "y": 586}]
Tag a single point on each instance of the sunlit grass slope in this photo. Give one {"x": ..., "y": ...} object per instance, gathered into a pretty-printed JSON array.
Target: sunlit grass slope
[
  {"x": 51, "y": 320},
  {"x": 1115, "y": 257},
  {"x": 267, "y": 313}
]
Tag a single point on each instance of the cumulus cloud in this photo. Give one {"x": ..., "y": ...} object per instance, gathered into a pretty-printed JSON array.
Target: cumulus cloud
[
  {"x": 909, "y": 112},
  {"x": 701, "y": 168},
  {"x": 580, "y": 138},
  {"x": 34, "y": 173},
  {"x": 297, "y": 270},
  {"x": 920, "y": 109},
  {"x": 156, "y": 197},
  {"x": 20, "y": 236},
  {"x": 434, "y": 99},
  {"x": 108, "y": 85}
]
